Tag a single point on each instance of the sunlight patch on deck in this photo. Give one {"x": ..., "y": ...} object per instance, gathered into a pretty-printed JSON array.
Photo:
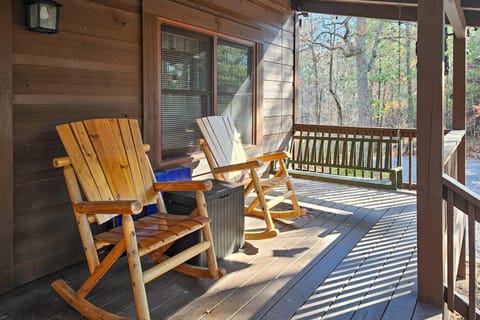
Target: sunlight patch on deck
[{"x": 380, "y": 269}]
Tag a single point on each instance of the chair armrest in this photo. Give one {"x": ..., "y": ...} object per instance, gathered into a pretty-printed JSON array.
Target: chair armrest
[
  {"x": 271, "y": 156},
  {"x": 61, "y": 162},
  {"x": 202, "y": 185},
  {"x": 109, "y": 207},
  {"x": 239, "y": 166}
]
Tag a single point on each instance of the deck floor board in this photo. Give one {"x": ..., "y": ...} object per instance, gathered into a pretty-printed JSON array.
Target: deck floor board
[{"x": 353, "y": 256}]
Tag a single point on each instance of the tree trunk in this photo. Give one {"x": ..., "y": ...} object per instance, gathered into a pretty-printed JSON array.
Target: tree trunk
[
  {"x": 315, "y": 118},
  {"x": 330, "y": 83},
  {"x": 411, "y": 106},
  {"x": 364, "y": 114},
  {"x": 318, "y": 109},
  {"x": 316, "y": 85}
]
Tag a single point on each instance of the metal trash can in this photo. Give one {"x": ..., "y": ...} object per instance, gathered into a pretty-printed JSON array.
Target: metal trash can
[{"x": 225, "y": 205}]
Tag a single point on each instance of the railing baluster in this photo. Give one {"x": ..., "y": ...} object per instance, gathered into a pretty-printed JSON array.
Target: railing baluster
[
  {"x": 450, "y": 252},
  {"x": 306, "y": 155},
  {"x": 322, "y": 152},
  {"x": 361, "y": 156},
  {"x": 313, "y": 157},
  {"x": 410, "y": 161},
  {"x": 329, "y": 148},
  {"x": 472, "y": 262}
]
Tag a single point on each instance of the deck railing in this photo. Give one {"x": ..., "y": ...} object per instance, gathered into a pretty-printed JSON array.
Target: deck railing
[
  {"x": 406, "y": 156},
  {"x": 461, "y": 205}
]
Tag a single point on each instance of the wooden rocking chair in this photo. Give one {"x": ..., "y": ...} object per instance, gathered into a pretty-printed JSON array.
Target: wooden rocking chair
[
  {"x": 107, "y": 159},
  {"x": 228, "y": 161}
]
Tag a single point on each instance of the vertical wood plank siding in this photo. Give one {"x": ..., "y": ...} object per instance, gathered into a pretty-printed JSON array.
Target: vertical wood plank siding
[
  {"x": 91, "y": 68},
  {"x": 6, "y": 147}
]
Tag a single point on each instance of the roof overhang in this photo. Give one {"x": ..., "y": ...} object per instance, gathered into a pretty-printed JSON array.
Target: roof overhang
[{"x": 460, "y": 13}]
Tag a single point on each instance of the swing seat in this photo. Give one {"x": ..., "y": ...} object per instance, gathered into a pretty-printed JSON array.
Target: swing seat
[
  {"x": 107, "y": 164},
  {"x": 228, "y": 161}
]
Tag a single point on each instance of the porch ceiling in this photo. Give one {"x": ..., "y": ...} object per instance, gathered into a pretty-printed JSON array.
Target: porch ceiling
[{"x": 405, "y": 10}]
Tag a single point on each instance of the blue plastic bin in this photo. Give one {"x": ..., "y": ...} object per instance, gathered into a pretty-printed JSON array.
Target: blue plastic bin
[{"x": 177, "y": 174}]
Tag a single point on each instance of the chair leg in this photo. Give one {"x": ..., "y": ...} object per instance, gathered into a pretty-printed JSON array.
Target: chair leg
[
  {"x": 293, "y": 198},
  {"x": 82, "y": 305},
  {"x": 136, "y": 275},
  {"x": 271, "y": 231},
  {"x": 277, "y": 214},
  {"x": 77, "y": 298}
]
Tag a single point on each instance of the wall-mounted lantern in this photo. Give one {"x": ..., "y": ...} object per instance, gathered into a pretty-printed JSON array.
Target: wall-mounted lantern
[{"x": 43, "y": 15}]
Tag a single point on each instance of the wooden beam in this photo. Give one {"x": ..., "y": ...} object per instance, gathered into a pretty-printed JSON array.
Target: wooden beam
[
  {"x": 473, "y": 18},
  {"x": 362, "y": 9},
  {"x": 456, "y": 17},
  {"x": 459, "y": 91},
  {"x": 296, "y": 71},
  {"x": 151, "y": 86},
  {"x": 259, "y": 100},
  {"x": 430, "y": 221},
  {"x": 370, "y": 2},
  {"x": 385, "y": 9},
  {"x": 470, "y": 4},
  {"x": 6, "y": 145},
  {"x": 458, "y": 121}
]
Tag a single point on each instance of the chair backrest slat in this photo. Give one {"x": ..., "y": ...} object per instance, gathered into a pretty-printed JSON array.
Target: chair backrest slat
[
  {"x": 73, "y": 144},
  {"x": 131, "y": 153},
  {"x": 108, "y": 143},
  {"x": 146, "y": 171},
  {"x": 90, "y": 157},
  {"x": 109, "y": 160},
  {"x": 223, "y": 141}
]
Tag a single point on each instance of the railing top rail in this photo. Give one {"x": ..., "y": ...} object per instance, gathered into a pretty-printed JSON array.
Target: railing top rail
[
  {"x": 462, "y": 192},
  {"x": 393, "y": 132},
  {"x": 451, "y": 141}
]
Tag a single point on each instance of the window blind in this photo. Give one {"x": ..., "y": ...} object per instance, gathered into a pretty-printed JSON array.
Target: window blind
[{"x": 186, "y": 60}]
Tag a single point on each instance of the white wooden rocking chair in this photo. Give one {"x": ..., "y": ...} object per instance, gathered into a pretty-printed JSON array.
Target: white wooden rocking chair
[{"x": 228, "y": 161}]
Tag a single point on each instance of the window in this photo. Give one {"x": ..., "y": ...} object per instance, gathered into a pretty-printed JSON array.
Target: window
[
  {"x": 190, "y": 89},
  {"x": 235, "y": 86}
]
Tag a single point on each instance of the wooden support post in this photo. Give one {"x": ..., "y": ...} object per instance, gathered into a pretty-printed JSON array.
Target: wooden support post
[
  {"x": 258, "y": 129},
  {"x": 459, "y": 71},
  {"x": 6, "y": 146},
  {"x": 430, "y": 221},
  {"x": 151, "y": 86},
  {"x": 459, "y": 84},
  {"x": 296, "y": 69}
]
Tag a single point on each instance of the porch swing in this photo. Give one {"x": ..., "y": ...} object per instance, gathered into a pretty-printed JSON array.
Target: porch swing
[{"x": 352, "y": 156}]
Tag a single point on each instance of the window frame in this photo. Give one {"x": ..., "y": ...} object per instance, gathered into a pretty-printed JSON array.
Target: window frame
[{"x": 152, "y": 85}]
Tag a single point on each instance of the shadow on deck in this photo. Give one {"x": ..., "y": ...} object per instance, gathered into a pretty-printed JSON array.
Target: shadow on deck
[{"x": 353, "y": 256}]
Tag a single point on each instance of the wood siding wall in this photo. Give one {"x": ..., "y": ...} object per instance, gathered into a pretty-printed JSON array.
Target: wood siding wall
[
  {"x": 92, "y": 68},
  {"x": 6, "y": 147}
]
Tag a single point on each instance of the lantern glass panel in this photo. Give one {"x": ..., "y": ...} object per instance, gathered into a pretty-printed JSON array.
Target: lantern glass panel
[
  {"x": 48, "y": 17},
  {"x": 33, "y": 16}
]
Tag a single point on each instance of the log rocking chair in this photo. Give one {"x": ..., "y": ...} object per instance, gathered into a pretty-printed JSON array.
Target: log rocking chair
[
  {"x": 228, "y": 161},
  {"x": 107, "y": 164}
]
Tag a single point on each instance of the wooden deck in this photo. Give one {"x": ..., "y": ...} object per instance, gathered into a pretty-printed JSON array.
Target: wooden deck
[{"x": 353, "y": 256}]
